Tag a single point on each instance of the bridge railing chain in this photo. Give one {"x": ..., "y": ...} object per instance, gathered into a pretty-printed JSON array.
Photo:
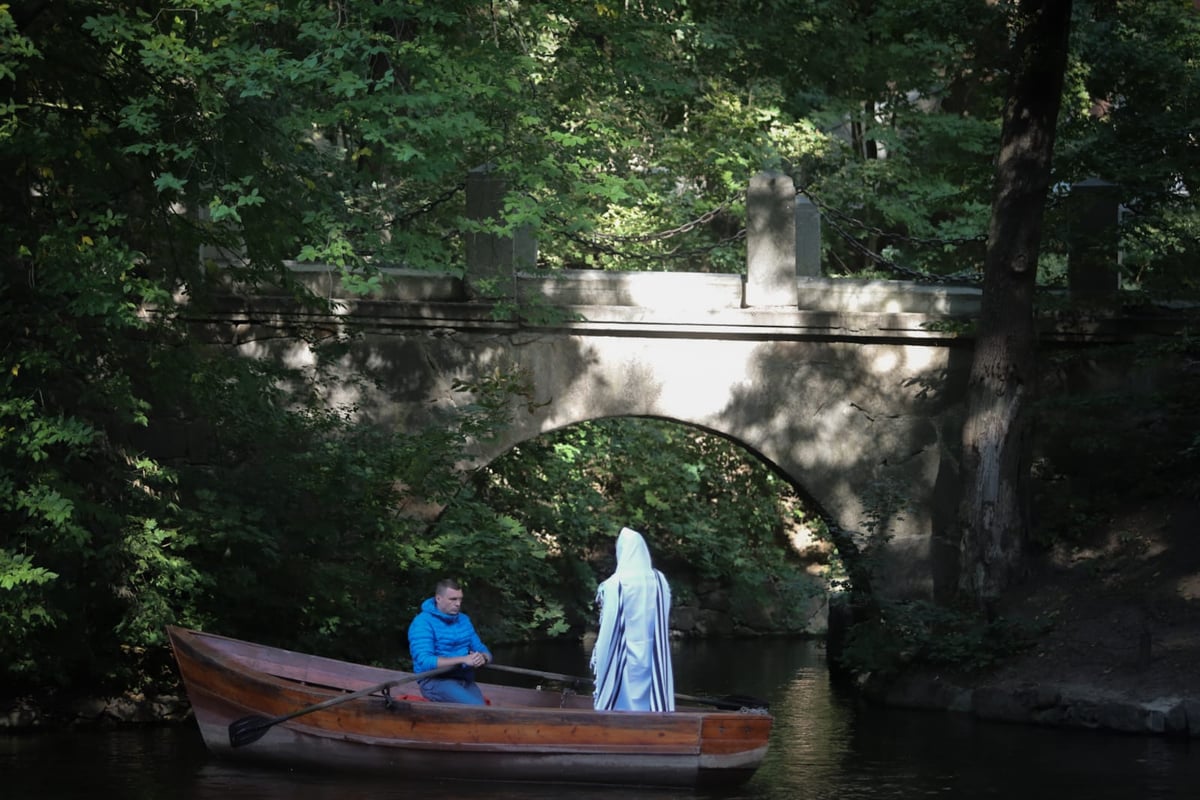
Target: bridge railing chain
[
  {"x": 603, "y": 242},
  {"x": 429, "y": 205},
  {"x": 610, "y": 244},
  {"x": 832, "y": 217}
]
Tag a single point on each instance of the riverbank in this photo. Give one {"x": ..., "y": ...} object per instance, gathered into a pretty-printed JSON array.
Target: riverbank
[
  {"x": 1122, "y": 648},
  {"x": 1121, "y": 651},
  {"x": 1036, "y": 702},
  {"x": 27, "y": 714}
]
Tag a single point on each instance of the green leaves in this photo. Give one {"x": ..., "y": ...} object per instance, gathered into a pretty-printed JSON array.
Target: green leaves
[
  {"x": 15, "y": 49},
  {"x": 16, "y": 572},
  {"x": 234, "y": 196},
  {"x": 23, "y": 609},
  {"x": 710, "y": 513},
  {"x": 146, "y": 476},
  {"x": 912, "y": 633},
  {"x": 167, "y": 182},
  {"x": 37, "y": 436}
]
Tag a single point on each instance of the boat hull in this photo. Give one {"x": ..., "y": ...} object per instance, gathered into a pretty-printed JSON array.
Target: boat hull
[{"x": 521, "y": 735}]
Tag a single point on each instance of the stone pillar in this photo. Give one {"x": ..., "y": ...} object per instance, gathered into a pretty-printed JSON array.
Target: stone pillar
[
  {"x": 1092, "y": 260},
  {"x": 771, "y": 241},
  {"x": 808, "y": 238},
  {"x": 493, "y": 260},
  {"x": 220, "y": 256}
]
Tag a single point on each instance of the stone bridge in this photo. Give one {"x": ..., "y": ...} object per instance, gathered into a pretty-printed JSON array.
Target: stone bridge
[
  {"x": 852, "y": 390},
  {"x": 851, "y": 398}
]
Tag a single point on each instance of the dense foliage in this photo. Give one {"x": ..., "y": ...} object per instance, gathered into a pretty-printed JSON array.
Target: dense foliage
[
  {"x": 147, "y": 477},
  {"x": 712, "y": 515}
]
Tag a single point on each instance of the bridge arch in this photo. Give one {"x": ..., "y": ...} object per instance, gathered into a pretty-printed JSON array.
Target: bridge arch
[
  {"x": 643, "y": 461},
  {"x": 855, "y": 393}
]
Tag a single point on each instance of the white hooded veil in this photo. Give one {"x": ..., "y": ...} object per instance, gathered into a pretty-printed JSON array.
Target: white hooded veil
[{"x": 631, "y": 660}]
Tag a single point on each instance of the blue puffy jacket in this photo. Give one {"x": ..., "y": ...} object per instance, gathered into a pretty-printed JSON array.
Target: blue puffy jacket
[{"x": 434, "y": 634}]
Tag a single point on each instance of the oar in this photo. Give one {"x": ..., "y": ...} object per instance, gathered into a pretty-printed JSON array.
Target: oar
[
  {"x": 734, "y": 702},
  {"x": 250, "y": 729}
]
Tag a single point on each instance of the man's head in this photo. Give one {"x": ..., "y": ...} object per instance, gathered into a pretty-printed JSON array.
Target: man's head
[{"x": 448, "y": 596}]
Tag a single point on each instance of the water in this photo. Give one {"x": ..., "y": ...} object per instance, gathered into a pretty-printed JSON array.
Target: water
[{"x": 825, "y": 746}]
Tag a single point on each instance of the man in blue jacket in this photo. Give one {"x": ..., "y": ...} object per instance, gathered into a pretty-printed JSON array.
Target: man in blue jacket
[{"x": 442, "y": 636}]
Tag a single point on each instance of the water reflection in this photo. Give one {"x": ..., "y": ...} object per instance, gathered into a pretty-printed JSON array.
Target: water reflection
[
  {"x": 216, "y": 781},
  {"x": 807, "y": 744},
  {"x": 824, "y": 746}
]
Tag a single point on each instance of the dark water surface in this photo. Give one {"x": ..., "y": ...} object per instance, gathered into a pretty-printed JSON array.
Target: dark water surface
[{"x": 824, "y": 746}]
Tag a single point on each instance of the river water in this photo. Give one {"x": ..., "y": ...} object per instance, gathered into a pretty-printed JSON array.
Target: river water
[{"x": 825, "y": 746}]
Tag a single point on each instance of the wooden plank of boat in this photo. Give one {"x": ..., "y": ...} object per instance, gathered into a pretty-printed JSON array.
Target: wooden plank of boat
[{"x": 522, "y": 734}]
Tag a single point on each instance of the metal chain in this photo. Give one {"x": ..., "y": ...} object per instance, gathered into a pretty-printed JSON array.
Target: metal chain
[
  {"x": 594, "y": 242},
  {"x": 703, "y": 219},
  {"x": 677, "y": 253},
  {"x": 829, "y": 211},
  {"x": 828, "y": 214},
  {"x": 429, "y": 205},
  {"x": 878, "y": 258},
  {"x": 598, "y": 242}
]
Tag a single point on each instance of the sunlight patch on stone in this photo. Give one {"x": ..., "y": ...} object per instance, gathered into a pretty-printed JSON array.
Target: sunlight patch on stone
[
  {"x": 884, "y": 362},
  {"x": 1189, "y": 587},
  {"x": 299, "y": 357}
]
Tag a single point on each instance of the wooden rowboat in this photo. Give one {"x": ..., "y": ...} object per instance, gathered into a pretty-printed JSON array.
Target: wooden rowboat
[{"x": 520, "y": 735}]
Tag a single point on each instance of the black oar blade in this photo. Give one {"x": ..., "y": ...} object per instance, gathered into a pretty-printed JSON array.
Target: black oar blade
[{"x": 248, "y": 729}]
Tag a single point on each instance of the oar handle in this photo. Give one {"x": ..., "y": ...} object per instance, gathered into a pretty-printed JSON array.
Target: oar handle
[
  {"x": 342, "y": 698},
  {"x": 732, "y": 703},
  {"x": 537, "y": 673},
  {"x": 250, "y": 729}
]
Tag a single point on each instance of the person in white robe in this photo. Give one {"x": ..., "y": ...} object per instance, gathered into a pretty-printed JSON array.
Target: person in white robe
[{"x": 631, "y": 661}]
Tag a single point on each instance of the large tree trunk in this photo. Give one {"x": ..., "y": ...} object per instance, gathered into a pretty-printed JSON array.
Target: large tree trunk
[{"x": 994, "y": 511}]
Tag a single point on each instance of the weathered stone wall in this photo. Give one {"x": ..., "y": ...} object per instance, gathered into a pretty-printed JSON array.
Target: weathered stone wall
[{"x": 848, "y": 397}]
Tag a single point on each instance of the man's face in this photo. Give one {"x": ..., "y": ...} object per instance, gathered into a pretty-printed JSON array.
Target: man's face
[{"x": 449, "y": 601}]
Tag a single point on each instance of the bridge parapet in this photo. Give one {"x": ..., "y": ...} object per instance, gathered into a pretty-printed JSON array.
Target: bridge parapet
[
  {"x": 658, "y": 302},
  {"x": 594, "y": 299},
  {"x": 695, "y": 291}
]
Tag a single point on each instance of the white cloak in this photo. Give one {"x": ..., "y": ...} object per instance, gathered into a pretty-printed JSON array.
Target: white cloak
[{"x": 631, "y": 661}]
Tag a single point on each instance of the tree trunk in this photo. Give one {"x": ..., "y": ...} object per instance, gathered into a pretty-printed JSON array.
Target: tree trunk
[{"x": 994, "y": 510}]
